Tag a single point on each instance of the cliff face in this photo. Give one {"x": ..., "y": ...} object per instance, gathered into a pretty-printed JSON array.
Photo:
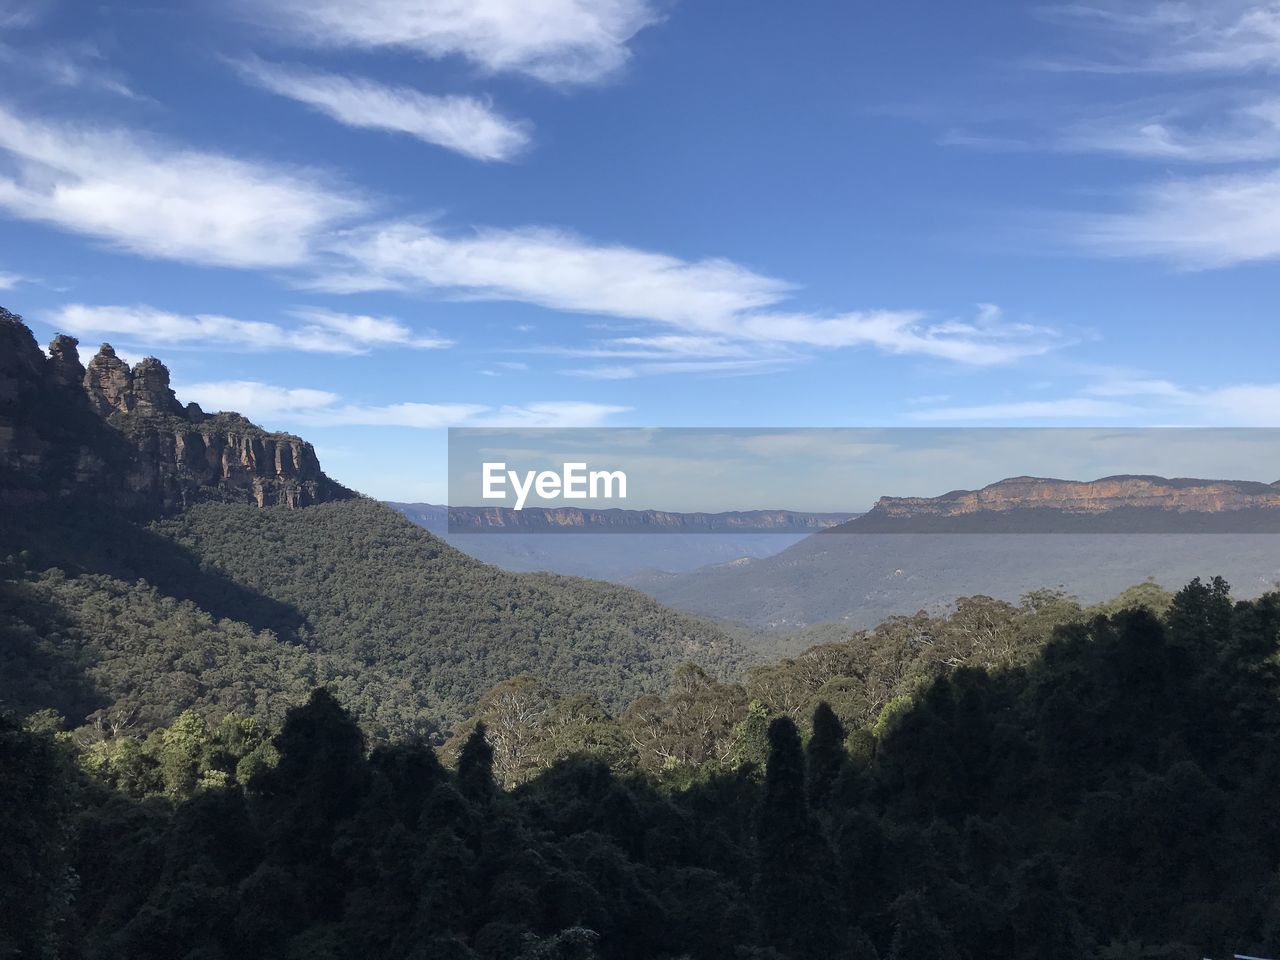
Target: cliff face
[
  {"x": 1093, "y": 496},
  {"x": 120, "y": 436},
  {"x": 1123, "y": 504}
]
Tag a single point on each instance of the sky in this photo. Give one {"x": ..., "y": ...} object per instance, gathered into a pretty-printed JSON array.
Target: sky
[{"x": 368, "y": 222}]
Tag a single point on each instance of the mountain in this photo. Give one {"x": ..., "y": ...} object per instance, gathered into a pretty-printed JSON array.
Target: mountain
[
  {"x": 619, "y": 556},
  {"x": 119, "y": 437},
  {"x": 1119, "y": 504},
  {"x": 580, "y": 520},
  {"x": 155, "y": 558},
  {"x": 1021, "y": 534}
]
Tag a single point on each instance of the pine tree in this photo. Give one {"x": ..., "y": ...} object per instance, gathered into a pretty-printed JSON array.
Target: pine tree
[
  {"x": 825, "y": 754},
  {"x": 475, "y": 767},
  {"x": 798, "y": 885}
]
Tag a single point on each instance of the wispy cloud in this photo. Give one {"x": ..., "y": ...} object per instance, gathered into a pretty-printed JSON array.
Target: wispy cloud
[
  {"x": 1197, "y": 222},
  {"x": 550, "y": 268},
  {"x": 1197, "y": 36},
  {"x": 10, "y": 280},
  {"x": 1199, "y": 61},
  {"x": 467, "y": 125},
  {"x": 271, "y": 403},
  {"x": 712, "y": 303},
  {"x": 322, "y": 331},
  {"x": 1245, "y": 404},
  {"x": 17, "y": 14},
  {"x": 161, "y": 201},
  {"x": 1072, "y": 408},
  {"x": 370, "y": 331},
  {"x": 79, "y": 66},
  {"x": 634, "y": 370},
  {"x": 1223, "y": 134},
  {"x": 557, "y": 41},
  {"x": 1134, "y": 400}
]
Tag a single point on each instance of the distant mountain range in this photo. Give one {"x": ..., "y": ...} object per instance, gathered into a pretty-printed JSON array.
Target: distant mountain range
[
  {"x": 1087, "y": 537},
  {"x": 1119, "y": 504},
  {"x": 611, "y": 553},
  {"x": 439, "y": 518}
]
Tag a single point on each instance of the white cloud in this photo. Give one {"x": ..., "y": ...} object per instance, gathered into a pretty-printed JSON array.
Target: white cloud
[
  {"x": 1226, "y": 135},
  {"x": 718, "y": 307},
  {"x": 268, "y": 402},
  {"x": 1196, "y": 221},
  {"x": 162, "y": 201},
  {"x": 1243, "y": 404},
  {"x": 78, "y": 66},
  {"x": 1207, "y": 221},
  {"x": 1197, "y": 36},
  {"x": 1073, "y": 408},
  {"x": 556, "y": 413},
  {"x": 370, "y": 331},
  {"x": 323, "y": 331},
  {"x": 557, "y": 41},
  {"x": 10, "y": 280},
  {"x": 553, "y": 269},
  {"x": 465, "y": 124},
  {"x": 630, "y": 372},
  {"x": 420, "y": 415},
  {"x": 1152, "y": 401},
  {"x": 258, "y": 401},
  {"x": 16, "y": 14}
]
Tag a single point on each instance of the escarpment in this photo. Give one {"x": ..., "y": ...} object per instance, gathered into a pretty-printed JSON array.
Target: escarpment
[
  {"x": 118, "y": 435},
  {"x": 1091, "y": 496},
  {"x": 1119, "y": 504}
]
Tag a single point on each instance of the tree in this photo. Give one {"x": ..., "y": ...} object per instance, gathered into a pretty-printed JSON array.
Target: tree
[
  {"x": 917, "y": 932},
  {"x": 475, "y": 767},
  {"x": 824, "y": 753},
  {"x": 797, "y": 884},
  {"x": 36, "y": 883}
]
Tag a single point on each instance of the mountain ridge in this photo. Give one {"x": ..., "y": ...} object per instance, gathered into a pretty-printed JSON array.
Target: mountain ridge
[
  {"x": 438, "y": 517},
  {"x": 155, "y": 559},
  {"x": 119, "y": 436},
  {"x": 1128, "y": 503}
]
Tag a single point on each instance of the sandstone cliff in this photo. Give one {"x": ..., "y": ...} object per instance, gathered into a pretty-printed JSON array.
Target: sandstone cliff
[
  {"x": 119, "y": 436},
  {"x": 1122, "y": 503}
]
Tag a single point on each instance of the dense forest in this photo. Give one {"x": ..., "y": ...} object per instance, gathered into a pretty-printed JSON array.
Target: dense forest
[
  {"x": 234, "y": 731},
  {"x": 229, "y": 608},
  {"x": 1030, "y": 781}
]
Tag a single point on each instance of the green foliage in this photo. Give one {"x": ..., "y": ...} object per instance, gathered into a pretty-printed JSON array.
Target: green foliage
[
  {"x": 228, "y": 608},
  {"x": 530, "y": 726},
  {"x": 1110, "y": 797},
  {"x": 825, "y": 755},
  {"x": 36, "y": 883}
]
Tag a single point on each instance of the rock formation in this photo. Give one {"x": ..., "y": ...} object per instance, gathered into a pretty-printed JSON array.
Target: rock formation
[
  {"x": 1112, "y": 504},
  {"x": 1091, "y": 496},
  {"x": 120, "y": 436}
]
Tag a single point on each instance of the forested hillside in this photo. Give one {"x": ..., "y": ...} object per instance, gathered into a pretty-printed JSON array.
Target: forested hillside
[
  {"x": 862, "y": 578},
  {"x": 1107, "y": 791},
  {"x": 228, "y": 607}
]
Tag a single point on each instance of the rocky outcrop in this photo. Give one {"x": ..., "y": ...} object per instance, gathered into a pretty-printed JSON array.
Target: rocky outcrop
[
  {"x": 65, "y": 369},
  {"x": 120, "y": 436},
  {"x": 108, "y": 383},
  {"x": 1091, "y": 496},
  {"x": 1119, "y": 504}
]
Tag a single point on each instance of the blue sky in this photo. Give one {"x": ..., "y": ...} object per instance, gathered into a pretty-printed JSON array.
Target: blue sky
[{"x": 367, "y": 222}]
